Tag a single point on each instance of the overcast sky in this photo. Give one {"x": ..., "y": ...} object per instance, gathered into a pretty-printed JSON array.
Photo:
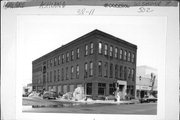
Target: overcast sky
[{"x": 38, "y": 35}]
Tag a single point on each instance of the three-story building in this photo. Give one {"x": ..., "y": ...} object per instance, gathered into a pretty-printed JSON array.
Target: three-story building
[{"x": 94, "y": 61}]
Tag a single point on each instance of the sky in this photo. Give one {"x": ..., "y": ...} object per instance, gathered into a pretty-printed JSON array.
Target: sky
[{"x": 38, "y": 35}]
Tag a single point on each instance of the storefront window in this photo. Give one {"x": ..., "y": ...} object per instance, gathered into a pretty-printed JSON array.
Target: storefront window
[{"x": 101, "y": 88}]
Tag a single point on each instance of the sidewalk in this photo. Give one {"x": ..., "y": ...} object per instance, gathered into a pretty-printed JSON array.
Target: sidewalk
[{"x": 98, "y": 101}]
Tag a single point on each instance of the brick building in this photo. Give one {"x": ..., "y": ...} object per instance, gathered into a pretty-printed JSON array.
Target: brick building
[{"x": 94, "y": 61}]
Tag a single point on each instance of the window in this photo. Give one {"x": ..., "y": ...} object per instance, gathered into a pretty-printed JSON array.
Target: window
[
  {"x": 44, "y": 78},
  {"x": 100, "y": 47},
  {"x": 58, "y": 75},
  {"x": 72, "y": 55},
  {"x": 67, "y": 57},
  {"x": 116, "y": 53},
  {"x": 48, "y": 64},
  {"x": 47, "y": 77},
  {"x": 100, "y": 68},
  {"x": 51, "y": 76},
  {"x": 55, "y": 60},
  {"x": 72, "y": 72},
  {"x": 120, "y": 54},
  {"x": 111, "y": 89},
  {"x": 77, "y": 53},
  {"x": 91, "y": 69},
  {"x": 132, "y": 58},
  {"x": 116, "y": 71},
  {"x": 125, "y": 73},
  {"x": 121, "y": 72},
  {"x": 101, "y": 88},
  {"x": 111, "y": 51},
  {"x": 62, "y": 58},
  {"x": 54, "y": 75},
  {"x": 91, "y": 48},
  {"x": 133, "y": 74},
  {"x": 89, "y": 89},
  {"x": 106, "y": 69},
  {"x": 85, "y": 70},
  {"x": 77, "y": 71},
  {"x": 86, "y": 50},
  {"x": 105, "y": 49},
  {"x": 129, "y": 73},
  {"x": 125, "y": 55},
  {"x": 59, "y": 60},
  {"x": 67, "y": 73},
  {"x": 111, "y": 70},
  {"x": 51, "y": 63},
  {"x": 62, "y": 76},
  {"x": 129, "y": 56}
]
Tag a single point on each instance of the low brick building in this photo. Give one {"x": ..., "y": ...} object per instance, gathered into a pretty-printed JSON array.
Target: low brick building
[{"x": 94, "y": 61}]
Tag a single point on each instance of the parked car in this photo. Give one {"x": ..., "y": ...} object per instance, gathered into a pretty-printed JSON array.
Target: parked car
[
  {"x": 50, "y": 95},
  {"x": 148, "y": 99}
]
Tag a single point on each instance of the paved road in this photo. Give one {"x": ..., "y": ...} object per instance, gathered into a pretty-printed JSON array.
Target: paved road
[{"x": 46, "y": 106}]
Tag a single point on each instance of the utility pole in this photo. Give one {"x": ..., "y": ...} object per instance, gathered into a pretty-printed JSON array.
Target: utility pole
[{"x": 153, "y": 77}]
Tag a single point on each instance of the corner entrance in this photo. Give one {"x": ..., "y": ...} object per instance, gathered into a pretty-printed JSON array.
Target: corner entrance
[{"x": 122, "y": 85}]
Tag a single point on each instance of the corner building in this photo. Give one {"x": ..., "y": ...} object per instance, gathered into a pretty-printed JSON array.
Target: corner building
[{"x": 94, "y": 61}]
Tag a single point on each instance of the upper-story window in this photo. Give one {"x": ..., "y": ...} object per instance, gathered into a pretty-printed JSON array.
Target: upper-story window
[
  {"x": 47, "y": 77},
  {"x": 125, "y": 55},
  {"x": 77, "y": 53},
  {"x": 62, "y": 58},
  {"x": 59, "y": 60},
  {"x": 106, "y": 69},
  {"x": 100, "y": 47},
  {"x": 62, "y": 72},
  {"x": 51, "y": 63},
  {"x": 129, "y": 56},
  {"x": 54, "y": 75},
  {"x": 105, "y": 49},
  {"x": 85, "y": 70},
  {"x": 116, "y": 52},
  {"x": 100, "y": 68},
  {"x": 86, "y": 50},
  {"x": 67, "y": 73},
  {"x": 50, "y": 76},
  {"x": 111, "y": 70},
  {"x": 72, "y": 72},
  {"x": 72, "y": 55},
  {"x": 129, "y": 73},
  {"x": 133, "y": 74},
  {"x": 120, "y": 54},
  {"x": 91, "y": 48},
  {"x": 125, "y": 73},
  {"x": 77, "y": 71},
  {"x": 116, "y": 71},
  {"x": 55, "y": 61},
  {"x": 111, "y": 51},
  {"x": 67, "y": 57},
  {"x": 91, "y": 69},
  {"x": 47, "y": 63},
  {"x": 121, "y": 72},
  {"x": 132, "y": 58},
  {"x": 58, "y": 74}
]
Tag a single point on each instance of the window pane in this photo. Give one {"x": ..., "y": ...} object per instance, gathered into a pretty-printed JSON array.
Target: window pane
[{"x": 100, "y": 47}]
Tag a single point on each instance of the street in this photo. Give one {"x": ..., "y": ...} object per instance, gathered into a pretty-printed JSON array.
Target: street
[{"x": 48, "y": 106}]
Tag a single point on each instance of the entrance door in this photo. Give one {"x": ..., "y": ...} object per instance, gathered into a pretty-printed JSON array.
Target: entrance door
[{"x": 121, "y": 88}]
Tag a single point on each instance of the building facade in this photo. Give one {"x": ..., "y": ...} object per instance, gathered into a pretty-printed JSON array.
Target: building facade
[
  {"x": 144, "y": 81},
  {"x": 94, "y": 61}
]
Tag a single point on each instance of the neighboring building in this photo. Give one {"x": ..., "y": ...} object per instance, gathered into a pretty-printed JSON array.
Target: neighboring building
[
  {"x": 28, "y": 88},
  {"x": 144, "y": 81},
  {"x": 94, "y": 61}
]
